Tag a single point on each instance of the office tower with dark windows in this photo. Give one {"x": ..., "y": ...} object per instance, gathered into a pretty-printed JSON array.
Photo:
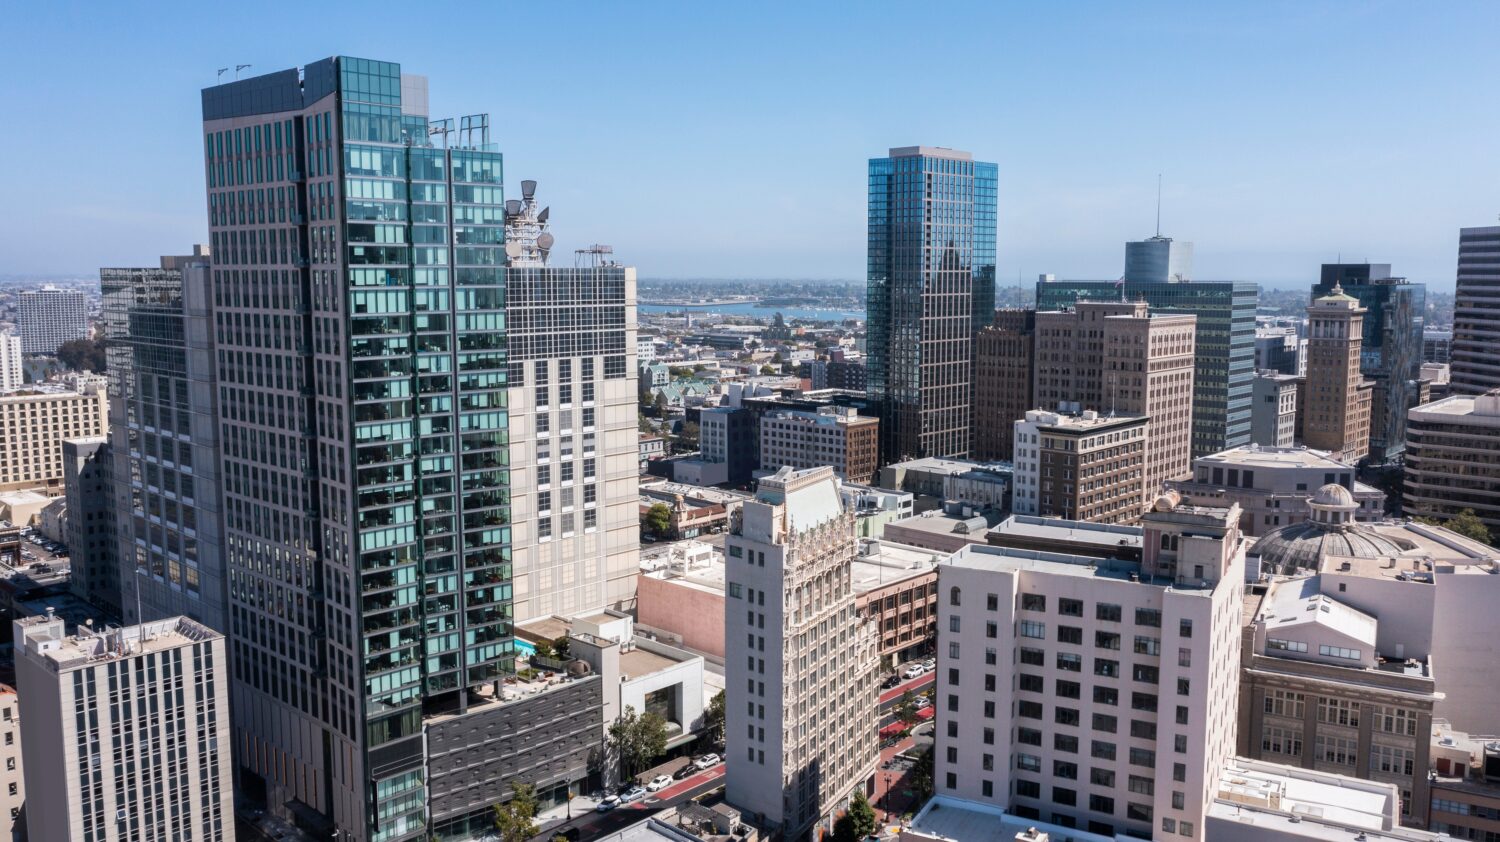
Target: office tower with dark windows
[
  {"x": 1158, "y": 260},
  {"x": 88, "y": 483},
  {"x": 1224, "y": 347},
  {"x": 49, "y": 316},
  {"x": 1475, "y": 348},
  {"x": 1003, "y": 376},
  {"x": 931, "y": 286},
  {"x": 358, "y": 294},
  {"x": 163, "y": 442},
  {"x": 1391, "y": 345},
  {"x": 573, "y": 426},
  {"x": 125, "y": 731}
]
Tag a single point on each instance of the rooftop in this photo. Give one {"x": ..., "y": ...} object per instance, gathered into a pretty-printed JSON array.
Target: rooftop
[
  {"x": 933, "y": 464},
  {"x": 1469, "y": 409},
  {"x": 1007, "y": 560},
  {"x": 1104, "y": 535},
  {"x": 67, "y": 652},
  {"x": 1261, "y": 456},
  {"x": 638, "y": 662},
  {"x": 1293, "y": 803},
  {"x": 1086, "y": 421},
  {"x": 1299, "y": 602},
  {"x": 970, "y": 821}
]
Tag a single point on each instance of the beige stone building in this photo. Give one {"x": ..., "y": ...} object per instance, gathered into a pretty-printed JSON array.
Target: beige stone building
[
  {"x": 1119, "y": 358},
  {"x": 33, "y": 425},
  {"x": 1336, "y": 415},
  {"x": 834, "y": 435},
  {"x": 1088, "y": 467}
]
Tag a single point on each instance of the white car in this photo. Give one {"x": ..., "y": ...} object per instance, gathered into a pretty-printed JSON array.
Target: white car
[
  {"x": 707, "y": 761},
  {"x": 923, "y": 702},
  {"x": 607, "y": 803},
  {"x": 913, "y": 671},
  {"x": 658, "y": 783}
]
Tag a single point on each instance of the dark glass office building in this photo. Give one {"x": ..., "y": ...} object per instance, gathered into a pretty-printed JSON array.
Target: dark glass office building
[
  {"x": 1225, "y": 371},
  {"x": 1391, "y": 354},
  {"x": 931, "y": 287},
  {"x": 358, "y": 293}
]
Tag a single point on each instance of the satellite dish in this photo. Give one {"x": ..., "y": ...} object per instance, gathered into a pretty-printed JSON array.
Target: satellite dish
[
  {"x": 512, "y": 249},
  {"x": 542, "y": 217},
  {"x": 528, "y": 189},
  {"x": 545, "y": 241},
  {"x": 512, "y": 207}
]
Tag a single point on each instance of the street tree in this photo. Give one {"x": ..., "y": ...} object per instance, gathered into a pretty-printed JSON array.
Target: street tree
[
  {"x": 514, "y": 820},
  {"x": 637, "y": 739}
]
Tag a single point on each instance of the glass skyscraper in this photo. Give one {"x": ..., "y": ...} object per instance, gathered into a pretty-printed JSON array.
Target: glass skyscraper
[
  {"x": 358, "y": 291},
  {"x": 1224, "y": 372},
  {"x": 1391, "y": 354},
  {"x": 931, "y": 287}
]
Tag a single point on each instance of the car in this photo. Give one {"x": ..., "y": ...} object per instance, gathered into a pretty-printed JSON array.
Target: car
[
  {"x": 635, "y": 793},
  {"x": 890, "y": 681},
  {"x": 686, "y": 771},
  {"x": 923, "y": 702},
  {"x": 707, "y": 761},
  {"x": 929, "y": 665},
  {"x": 658, "y": 783},
  {"x": 913, "y": 671},
  {"x": 607, "y": 803}
]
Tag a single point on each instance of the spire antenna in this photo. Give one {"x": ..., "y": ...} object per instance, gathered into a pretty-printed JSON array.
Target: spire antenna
[{"x": 1158, "y": 204}]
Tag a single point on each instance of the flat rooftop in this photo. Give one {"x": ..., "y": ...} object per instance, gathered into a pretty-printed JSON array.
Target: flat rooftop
[
  {"x": 638, "y": 662},
  {"x": 933, "y": 464},
  {"x": 1259, "y": 456},
  {"x": 882, "y": 563},
  {"x": 1007, "y": 560},
  {"x": 80, "y": 650},
  {"x": 1103, "y": 535},
  {"x": 1305, "y": 804},
  {"x": 970, "y": 821}
]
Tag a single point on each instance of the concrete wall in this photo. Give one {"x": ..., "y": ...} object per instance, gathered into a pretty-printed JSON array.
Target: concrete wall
[{"x": 695, "y": 614}]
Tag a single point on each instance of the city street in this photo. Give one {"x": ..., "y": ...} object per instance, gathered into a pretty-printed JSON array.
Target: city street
[{"x": 593, "y": 824}]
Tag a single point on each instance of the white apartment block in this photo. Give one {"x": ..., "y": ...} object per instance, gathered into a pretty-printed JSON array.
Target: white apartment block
[
  {"x": 800, "y": 662},
  {"x": 49, "y": 316},
  {"x": 10, "y": 362},
  {"x": 126, "y": 732},
  {"x": 12, "y": 777},
  {"x": 33, "y": 425},
  {"x": 1094, "y": 694},
  {"x": 1273, "y": 409}
]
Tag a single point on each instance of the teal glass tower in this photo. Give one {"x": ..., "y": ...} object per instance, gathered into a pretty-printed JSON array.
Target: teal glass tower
[
  {"x": 931, "y": 264},
  {"x": 1224, "y": 373},
  {"x": 358, "y": 286}
]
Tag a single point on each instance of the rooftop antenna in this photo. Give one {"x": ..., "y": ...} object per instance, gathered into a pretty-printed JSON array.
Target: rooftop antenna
[
  {"x": 1158, "y": 204},
  {"x": 222, "y": 71},
  {"x": 238, "y": 68}
]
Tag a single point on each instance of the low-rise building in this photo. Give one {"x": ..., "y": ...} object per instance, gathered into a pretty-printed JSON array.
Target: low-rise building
[
  {"x": 1081, "y": 467},
  {"x": 835, "y": 436},
  {"x": 1273, "y": 484},
  {"x": 875, "y": 507}
]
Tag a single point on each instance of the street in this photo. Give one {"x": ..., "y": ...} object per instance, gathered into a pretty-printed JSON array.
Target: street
[{"x": 593, "y": 824}]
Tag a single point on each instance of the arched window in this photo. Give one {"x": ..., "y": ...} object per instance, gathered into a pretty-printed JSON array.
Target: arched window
[{"x": 953, "y": 596}]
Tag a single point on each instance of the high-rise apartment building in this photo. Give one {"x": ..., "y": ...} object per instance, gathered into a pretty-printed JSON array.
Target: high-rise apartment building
[
  {"x": 1273, "y": 414},
  {"x": 11, "y": 376},
  {"x": 35, "y": 422},
  {"x": 931, "y": 286},
  {"x": 1158, "y": 260},
  {"x": 573, "y": 428},
  {"x": 1002, "y": 382},
  {"x": 358, "y": 291},
  {"x": 1453, "y": 458},
  {"x": 88, "y": 485},
  {"x": 1390, "y": 348},
  {"x": 1475, "y": 350},
  {"x": 1224, "y": 347},
  {"x": 836, "y": 436},
  {"x": 800, "y": 661},
  {"x": 48, "y": 317},
  {"x": 1119, "y": 357},
  {"x": 1086, "y": 467},
  {"x": 1089, "y": 692},
  {"x": 159, "y": 331},
  {"x": 12, "y": 770},
  {"x": 125, "y": 731},
  {"x": 1336, "y": 417}
]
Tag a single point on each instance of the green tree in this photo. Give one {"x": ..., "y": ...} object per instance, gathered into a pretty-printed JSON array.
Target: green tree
[
  {"x": 561, "y": 647},
  {"x": 765, "y": 369},
  {"x": 82, "y": 355},
  {"x": 906, "y": 710},
  {"x": 544, "y": 649},
  {"x": 713, "y": 718},
  {"x": 1468, "y": 524},
  {"x": 513, "y": 819},
  {"x": 659, "y": 520},
  {"x": 637, "y": 740},
  {"x": 687, "y": 437},
  {"x": 857, "y": 822},
  {"x": 661, "y": 404}
]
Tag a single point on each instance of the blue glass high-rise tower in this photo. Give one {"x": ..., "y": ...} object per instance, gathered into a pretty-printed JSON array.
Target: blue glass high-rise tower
[{"x": 931, "y": 287}]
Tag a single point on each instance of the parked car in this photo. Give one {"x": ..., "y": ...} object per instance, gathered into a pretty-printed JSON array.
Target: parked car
[
  {"x": 913, "y": 671},
  {"x": 686, "y": 771},
  {"x": 707, "y": 761},
  {"x": 890, "y": 681},
  {"x": 607, "y": 803},
  {"x": 923, "y": 702},
  {"x": 635, "y": 793},
  {"x": 929, "y": 665},
  {"x": 658, "y": 783}
]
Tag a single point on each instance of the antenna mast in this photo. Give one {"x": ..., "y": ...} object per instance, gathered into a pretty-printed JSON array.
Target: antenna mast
[{"x": 1158, "y": 204}]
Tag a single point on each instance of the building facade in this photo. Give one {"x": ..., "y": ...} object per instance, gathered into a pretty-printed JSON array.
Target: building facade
[
  {"x": 48, "y": 317},
  {"x": 126, "y": 731},
  {"x": 1336, "y": 416},
  {"x": 1278, "y": 348},
  {"x": 88, "y": 486},
  {"x": 1272, "y": 485},
  {"x": 800, "y": 686},
  {"x": 931, "y": 286},
  {"x": 358, "y": 288},
  {"x": 1273, "y": 414},
  {"x": 1224, "y": 345},
  {"x": 1437, "y": 345},
  {"x": 1158, "y": 260},
  {"x": 10, "y": 362},
  {"x": 834, "y": 436},
  {"x": 574, "y": 443},
  {"x": 1089, "y": 692},
  {"x": 1003, "y": 382},
  {"x": 1475, "y": 349},
  {"x": 1118, "y": 357},
  {"x": 164, "y": 435},
  {"x": 1453, "y": 458},
  {"x": 34, "y": 423},
  {"x": 12, "y": 777},
  {"x": 1086, "y": 467}
]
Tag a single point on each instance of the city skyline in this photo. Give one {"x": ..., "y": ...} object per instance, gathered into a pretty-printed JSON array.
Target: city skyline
[{"x": 1252, "y": 173}]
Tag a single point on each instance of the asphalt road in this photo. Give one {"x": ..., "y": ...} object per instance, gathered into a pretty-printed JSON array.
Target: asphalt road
[{"x": 593, "y": 824}]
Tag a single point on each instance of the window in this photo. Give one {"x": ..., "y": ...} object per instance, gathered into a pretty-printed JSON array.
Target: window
[
  {"x": 1101, "y": 777},
  {"x": 989, "y": 736},
  {"x": 1102, "y": 750},
  {"x": 1064, "y": 742},
  {"x": 1032, "y": 683},
  {"x": 1033, "y": 629},
  {"x": 953, "y": 649},
  {"x": 1143, "y": 757},
  {"x": 1024, "y": 736},
  {"x": 953, "y": 622},
  {"x": 1340, "y": 750},
  {"x": 1147, "y": 645},
  {"x": 1028, "y": 762},
  {"x": 989, "y": 709},
  {"x": 1142, "y": 730},
  {"x": 1034, "y": 657},
  {"x": 1101, "y": 804},
  {"x": 1106, "y": 612},
  {"x": 1179, "y": 772},
  {"x": 1182, "y": 715},
  {"x": 1105, "y": 723},
  {"x": 1169, "y": 825},
  {"x": 1065, "y": 797},
  {"x": 1278, "y": 645},
  {"x": 1068, "y": 689},
  {"x": 1184, "y": 657},
  {"x": 953, "y": 598},
  {"x": 992, "y": 602},
  {"x": 989, "y": 656},
  {"x": 1029, "y": 789},
  {"x": 1338, "y": 712},
  {"x": 1179, "y": 743},
  {"x": 1143, "y": 701},
  {"x": 1140, "y": 785},
  {"x": 1138, "y": 812},
  {"x": 1070, "y": 634},
  {"x": 1184, "y": 687},
  {"x": 1338, "y": 652},
  {"x": 1142, "y": 672},
  {"x": 1283, "y": 703},
  {"x": 1033, "y": 602},
  {"x": 991, "y": 630},
  {"x": 1065, "y": 716},
  {"x": 1185, "y": 628},
  {"x": 1187, "y": 828},
  {"x": 1278, "y": 740},
  {"x": 1027, "y": 710},
  {"x": 1106, "y": 640},
  {"x": 951, "y": 781},
  {"x": 989, "y": 682},
  {"x": 1070, "y": 607},
  {"x": 1391, "y": 720},
  {"x": 1106, "y": 696},
  {"x": 1069, "y": 662},
  {"x": 1106, "y": 668},
  {"x": 1065, "y": 770},
  {"x": 987, "y": 788},
  {"x": 1148, "y": 617}
]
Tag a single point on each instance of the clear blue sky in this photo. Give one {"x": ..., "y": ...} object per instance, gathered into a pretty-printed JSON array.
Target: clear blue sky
[{"x": 729, "y": 140}]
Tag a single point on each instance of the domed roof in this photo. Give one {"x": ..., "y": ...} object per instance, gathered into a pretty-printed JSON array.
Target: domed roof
[
  {"x": 1303, "y": 546},
  {"x": 1334, "y": 495}
]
